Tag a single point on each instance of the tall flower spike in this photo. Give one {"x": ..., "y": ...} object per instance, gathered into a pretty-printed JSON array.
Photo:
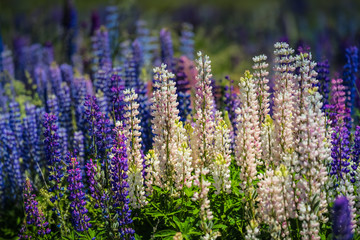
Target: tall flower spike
[
  {"x": 284, "y": 102},
  {"x": 261, "y": 81},
  {"x": 80, "y": 219},
  {"x": 248, "y": 145},
  {"x": 183, "y": 165},
  {"x": 119, "y": 184},
  {"x": 202, "y": 140},
  {"x": 204, "y": 108},
  {"x": 165, "y": 113},
  {"x": 342, "y": 227},
  {"x": 33, "y": 215},
  {"x": 220, "y": 167},
  {"x": 133, "y": 146}
]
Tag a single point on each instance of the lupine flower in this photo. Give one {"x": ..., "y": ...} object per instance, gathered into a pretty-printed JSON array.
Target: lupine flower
[
  {"x": 80, "y": 219},
  {"x": 204, "y": 108},
  {"x": 34, "y": 216},
  {"x": 324, "y": 81},
  {"x": 187, "y": 41},
  {"x": 284, "y": 102},
  {"x": 117, "y": 86},
  {"x": 165, "y": 113},
  {"x": 119, "y": 184},
  {"x": 338, "y": 111},
  {"x": 182, "y": 88},
  {"x": 167, "y": 51},
  {"x": 220, "y": 167},
  {"x": 202, "y": 138},
  {"x": 349, "y": 76},
  {"x": 133, "y": 146},
  {"x": 183, "y": 165},
  {"x": 261, "y": 81},
  {"x": 342, "y": 224},
  {"x": 248, "y": 144}
]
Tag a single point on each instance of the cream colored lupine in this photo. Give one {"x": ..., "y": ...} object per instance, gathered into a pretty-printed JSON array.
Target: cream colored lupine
[
  {"x": 313, "y": 151},
  {"x": 152, "y": 172},
  {"x": 204, "y": 117},
  {"x": 165, "y": 113},
  {"x": 262, "y": 88},
  {"x": 271, "y": 205},
  {"x": 284, "y": 94},
  {"x": 220, "y": 167},
  {"x": 202, "y": 139},
  {"x": 248, "y": 147},
  {"x": 267, "y": 142},
  {"x": 183, "y": 165},
  {"x": 133, "y": 147}
]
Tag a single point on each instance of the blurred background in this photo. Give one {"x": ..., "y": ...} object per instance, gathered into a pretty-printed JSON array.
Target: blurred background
[{"x": 230, "y": 32}]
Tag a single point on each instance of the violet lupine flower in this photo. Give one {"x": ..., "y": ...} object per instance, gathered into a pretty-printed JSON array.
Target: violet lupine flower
[
  {"x": 324, "y": 81},
  {"x": 338, "y": 111},
  {"x": 167, "y": 51},
  {"x": 55, "y": 78},
  {"x": 16, "y": 123},
  {"x": 342, "y": 226},
  {"x": 34, "y": 216},
  {"x": 117, "y": 86},
  {"x": 53, "y": 153},
  {"x": 349, "y": 76},
  {"x": 187, "y": 41},
  {"x": 182, "y": 89},
  {"x": 11, "y": 160},
  {"x": 95, "y": 22},
  {"x": 2, "y": 184},
  {"x": 355, "y": 152},
  {"x": 99, "y": 127},
  {"x": 65, "y": 118},
  {"x": 93, "y": 175},
  {"x": 119, "y": 185},
  {"x": 80, "y": 219}
]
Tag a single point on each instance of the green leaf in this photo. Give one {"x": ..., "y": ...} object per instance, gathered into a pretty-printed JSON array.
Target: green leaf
[{"x": 165, "y": 233}]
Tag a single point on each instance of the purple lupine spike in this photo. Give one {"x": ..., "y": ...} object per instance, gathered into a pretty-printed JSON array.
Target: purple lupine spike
[
  {"x": 182, "y": 88},
  {"x": 337, "y": 107},
  {"x": 2, "y": 184},
  {"x": 80, "y": 148},
  {"x": 30, "y": 139},
  {"x": 167, "y": 51},
  {"x": 324, "y": 80},
  {"x": 52, "y": 150},
  {"x": 342, "y": 226},
  {"x": 355, "y": 153},
  {"x": 340, "y": 152},
  {"x": 34, "y": 216},
  {"x": 6, "y": 57},
  {"x": 69, "y": 23},
  {"x": 97, "y": 194},
  {"x": 117, "y": 106},
  {"x": 12, "y": 160},
  {"x": 55, "y": 78},
  {"x": 15, "y": 122},
  {"x": 119, "y": 185},
  {"x": 79, "y": 216},
  {"x": 48, "y": 53},
  {"x": 187, "y": 41},
  {"x": 350, "y": 76},
  {"x": 40, "y": 77},
  {"x": 98, "y": 128},
  {"x": 65, "y": 118}
]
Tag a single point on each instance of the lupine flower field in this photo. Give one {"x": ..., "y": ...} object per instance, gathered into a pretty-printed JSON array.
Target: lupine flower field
[{"x": 134, "y": 138}]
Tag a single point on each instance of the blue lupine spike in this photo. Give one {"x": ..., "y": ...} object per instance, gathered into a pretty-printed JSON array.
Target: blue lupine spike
[
  {"x": 187, "y": 41},
  {"x": 119, "y": 185},
  {"x": 350, "y": 76},
  {"x": 95, "y": 22},
  {"x": 63, "y": 141},
  {"x": 116, "y": 104},
  {"x": 48, "y": 54},
  {"x": 112, "y": 24},
  {"x": 53, "y": 106},
  {"x": 41, "y": 77},
  {"x": 341, "y": 224},
  {"x": 55, "y": 78},
  {"x": 182, "y": 88},
  {"x": 79, "y": 216},
  {"x": 80, "y": 149},
  {"x": 65, "y": 118},
  {"x": 2, "y": 184},
  {"x": 324, "y": 81},
  {"x": 167, "y": 51}
]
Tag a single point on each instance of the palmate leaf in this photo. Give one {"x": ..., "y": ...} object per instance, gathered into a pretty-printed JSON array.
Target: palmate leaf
[{"x": 165, "y": 233}]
